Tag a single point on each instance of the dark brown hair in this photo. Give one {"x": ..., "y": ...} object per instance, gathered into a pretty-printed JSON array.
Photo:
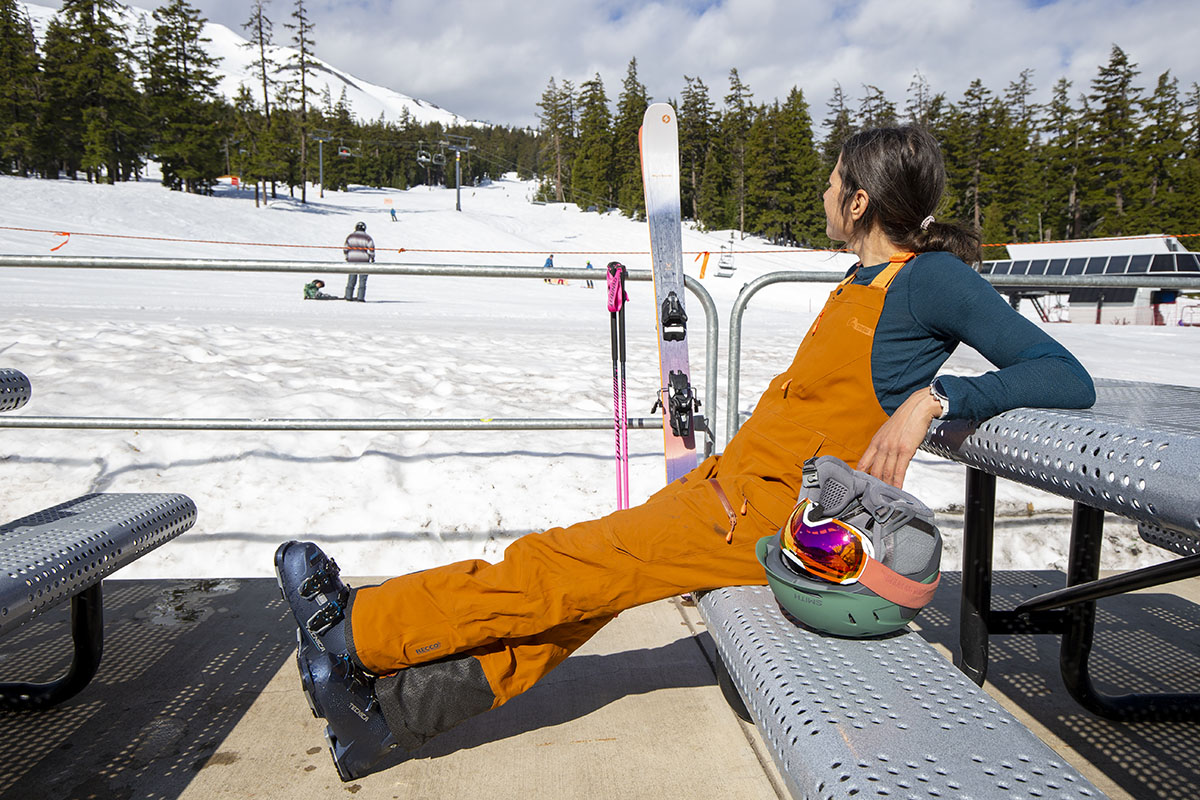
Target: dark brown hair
[{"x": 902, "y": 172}]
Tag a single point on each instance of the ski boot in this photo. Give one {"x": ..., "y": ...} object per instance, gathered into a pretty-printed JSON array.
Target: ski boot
[
  {"x": 309, "y": 582},
  {"x": 344, "y": 696}
]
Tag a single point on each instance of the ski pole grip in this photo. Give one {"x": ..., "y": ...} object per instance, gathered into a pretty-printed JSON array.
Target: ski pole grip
[{"x": 616, "y": 286}]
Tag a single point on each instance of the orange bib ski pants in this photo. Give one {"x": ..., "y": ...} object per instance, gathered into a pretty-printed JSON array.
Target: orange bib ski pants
[{"x": 522, "y": 616}]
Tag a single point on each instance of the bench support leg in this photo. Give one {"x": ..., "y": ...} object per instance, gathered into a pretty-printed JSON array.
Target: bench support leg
[
  {"x": 978, "y": 527},
  {"x": 87, "y": 633},
  {"x": 1087, "y": 529}
]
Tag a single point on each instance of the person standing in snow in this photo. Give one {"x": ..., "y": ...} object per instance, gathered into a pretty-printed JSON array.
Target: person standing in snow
[
  {"x": 549, "y": 264},
  {"x": 359, "y": 249}
]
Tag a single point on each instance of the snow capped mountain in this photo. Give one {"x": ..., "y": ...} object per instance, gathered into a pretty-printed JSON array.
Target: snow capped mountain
[{"x": 367, "y": 100}]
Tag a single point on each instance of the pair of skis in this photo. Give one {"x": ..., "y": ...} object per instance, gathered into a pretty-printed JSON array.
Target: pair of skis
[{"x": 658, "y": 142}]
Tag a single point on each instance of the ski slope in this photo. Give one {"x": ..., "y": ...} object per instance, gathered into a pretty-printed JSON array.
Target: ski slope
[
  {"x": 245, "y": 345},
  {"x": 235, "y": 69}
]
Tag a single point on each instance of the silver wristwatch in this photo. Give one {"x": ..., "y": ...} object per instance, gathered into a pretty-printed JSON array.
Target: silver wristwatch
[{"x": 939, "y": 394}]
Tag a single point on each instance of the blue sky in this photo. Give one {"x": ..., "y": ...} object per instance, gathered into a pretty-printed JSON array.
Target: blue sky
[{"x": 491, "y": 59}]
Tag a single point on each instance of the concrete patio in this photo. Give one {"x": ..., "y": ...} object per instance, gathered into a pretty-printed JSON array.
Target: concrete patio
[{"x": 197, "y": 697}]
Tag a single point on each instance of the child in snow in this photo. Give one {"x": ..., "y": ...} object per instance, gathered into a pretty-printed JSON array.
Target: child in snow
[{"x": 312, "y": 291}]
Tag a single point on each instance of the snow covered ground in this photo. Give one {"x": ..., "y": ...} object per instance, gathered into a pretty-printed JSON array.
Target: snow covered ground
[
  {"x": 173, "y": 344},
  {"x": 235, "y": 68}
]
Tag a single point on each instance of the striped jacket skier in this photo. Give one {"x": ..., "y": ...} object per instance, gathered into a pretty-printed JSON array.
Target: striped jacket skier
[{"x": 359, "y": 249}]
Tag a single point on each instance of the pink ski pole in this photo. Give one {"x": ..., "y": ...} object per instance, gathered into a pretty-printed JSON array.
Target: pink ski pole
[{"x": 616, "y": 309}]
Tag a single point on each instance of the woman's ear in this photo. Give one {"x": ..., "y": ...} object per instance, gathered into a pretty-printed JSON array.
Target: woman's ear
[{"x": 858, "y": 204}]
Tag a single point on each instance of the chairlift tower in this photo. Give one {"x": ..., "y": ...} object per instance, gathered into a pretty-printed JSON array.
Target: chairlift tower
[
  {"x": 459, "y": 144},
  {"x": 322, "y": 136}
]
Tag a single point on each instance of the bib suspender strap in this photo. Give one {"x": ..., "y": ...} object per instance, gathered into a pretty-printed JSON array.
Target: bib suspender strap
[{"x": 888, "y": 273}]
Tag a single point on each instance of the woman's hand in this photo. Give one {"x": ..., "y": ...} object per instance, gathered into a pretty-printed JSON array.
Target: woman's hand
[{"x": 895, "y": 443}]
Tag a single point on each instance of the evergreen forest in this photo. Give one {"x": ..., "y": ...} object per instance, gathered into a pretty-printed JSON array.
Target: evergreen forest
[
  {"x": 1113, "y": 158},
  {"x": 1118, "y": 157}
]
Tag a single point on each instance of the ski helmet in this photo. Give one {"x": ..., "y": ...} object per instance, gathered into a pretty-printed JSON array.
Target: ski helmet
[
  {"x": 857, "y": 558},
  {"x": 360, "y": 226}
]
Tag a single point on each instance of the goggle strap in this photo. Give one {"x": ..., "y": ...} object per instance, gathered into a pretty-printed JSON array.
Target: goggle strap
[{"x": 895, "y": 588}]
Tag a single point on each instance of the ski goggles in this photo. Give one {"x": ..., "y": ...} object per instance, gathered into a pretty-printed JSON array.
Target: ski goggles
[{"x": 826, "y": 548}]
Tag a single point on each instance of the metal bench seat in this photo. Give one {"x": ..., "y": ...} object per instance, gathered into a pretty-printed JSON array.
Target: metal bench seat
[
  {"x": 891, "y": 717},
  {"x": 64, "y": 553}
]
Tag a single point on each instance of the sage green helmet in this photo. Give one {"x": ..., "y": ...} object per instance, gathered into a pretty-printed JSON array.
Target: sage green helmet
[{"x": 891, "y": 573}]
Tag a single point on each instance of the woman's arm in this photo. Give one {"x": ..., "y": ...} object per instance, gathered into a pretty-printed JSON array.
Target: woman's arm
[{"x": 1033, "y": 369}]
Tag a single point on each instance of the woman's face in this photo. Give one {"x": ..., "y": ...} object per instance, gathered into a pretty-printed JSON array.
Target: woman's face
[{"x": 836, "y": 226}]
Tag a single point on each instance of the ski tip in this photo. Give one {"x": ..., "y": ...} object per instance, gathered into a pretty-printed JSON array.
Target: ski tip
[{"x": 659, "y": 114}]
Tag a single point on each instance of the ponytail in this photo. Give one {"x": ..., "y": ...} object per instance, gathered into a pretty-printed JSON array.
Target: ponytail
[{"x": 961, "y": 241}]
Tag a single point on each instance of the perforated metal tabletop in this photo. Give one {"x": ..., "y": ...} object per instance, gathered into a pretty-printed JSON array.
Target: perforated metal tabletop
[{"x": 1135, "y": 453}]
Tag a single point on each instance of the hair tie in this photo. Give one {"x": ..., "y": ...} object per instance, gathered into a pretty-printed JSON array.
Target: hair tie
[{"x": 925, "y": 223}]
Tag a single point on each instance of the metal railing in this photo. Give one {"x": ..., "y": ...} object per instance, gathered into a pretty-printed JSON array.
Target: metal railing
[
  {"x": 733, "y": 421},
  {"x": 711, "y": 340}
]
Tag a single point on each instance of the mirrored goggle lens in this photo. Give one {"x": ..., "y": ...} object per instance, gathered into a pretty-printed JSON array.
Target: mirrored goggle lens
[{"x": 827, "y": 548}]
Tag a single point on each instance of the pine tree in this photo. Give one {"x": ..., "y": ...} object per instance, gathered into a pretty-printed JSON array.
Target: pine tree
[
  {"x": 805, "y": 173},
  {"x": 244, "y": 137},
  {"x": 715, "y": 212},
  {"x": 1012, "y": 174},
  {"x": 557, "y": 119},
  {"x": 627, "y": 165},
  {"x": 1063, "y": 165},
  {"x": 767, "y": 186},
  {"x": 838, "y": 128},
  {"x": 19, "y": 85},
  {"x": 735, "y": 131},
  {"x": 591, "y": 173},
  {"x": 1113, "y": 122},
  {"x": 1190, "y": 172},
  {"x": 180, "y": 84},
  {"x": 969, "y": 142},
  {"x": 260, "y": 31},
  {"x": 303, "y": 42},
  {"x": 90, "y": 93},
  {"x": 875, "y": 110},
  {"x": 1158, "y": 191},
  {"x": 696, "y": 127},
  {"x": 923, "y": 107}
]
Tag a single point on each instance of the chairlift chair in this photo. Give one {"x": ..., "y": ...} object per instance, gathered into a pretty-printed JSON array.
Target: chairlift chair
[
  {"x": 344, "y": 152},
  {"x": 439, "y": 159},
  {"x": 725, "y": 266}
]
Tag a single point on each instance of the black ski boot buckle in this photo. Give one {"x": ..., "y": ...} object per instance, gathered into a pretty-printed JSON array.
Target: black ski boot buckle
[
  {"x": 321, "y": 582},
  {"x": 674, "y": 319},
  {"x": 329, "y": 615}
]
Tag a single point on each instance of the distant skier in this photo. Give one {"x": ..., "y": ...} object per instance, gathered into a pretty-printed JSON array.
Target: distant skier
[
  {"x": 394, "y": 215},
  {"x": 359, "y": 249},
  {"x": 312, "y": 291},
  {"x": 549, "y": 264},
  {"x": 589, "y": 282}
]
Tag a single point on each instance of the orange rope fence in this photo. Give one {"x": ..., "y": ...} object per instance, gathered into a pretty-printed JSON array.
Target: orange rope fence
[{"x": 698, "y": 253}]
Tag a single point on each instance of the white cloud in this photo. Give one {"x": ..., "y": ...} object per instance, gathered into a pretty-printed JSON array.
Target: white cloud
[{"x": 491, "y": 59}]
